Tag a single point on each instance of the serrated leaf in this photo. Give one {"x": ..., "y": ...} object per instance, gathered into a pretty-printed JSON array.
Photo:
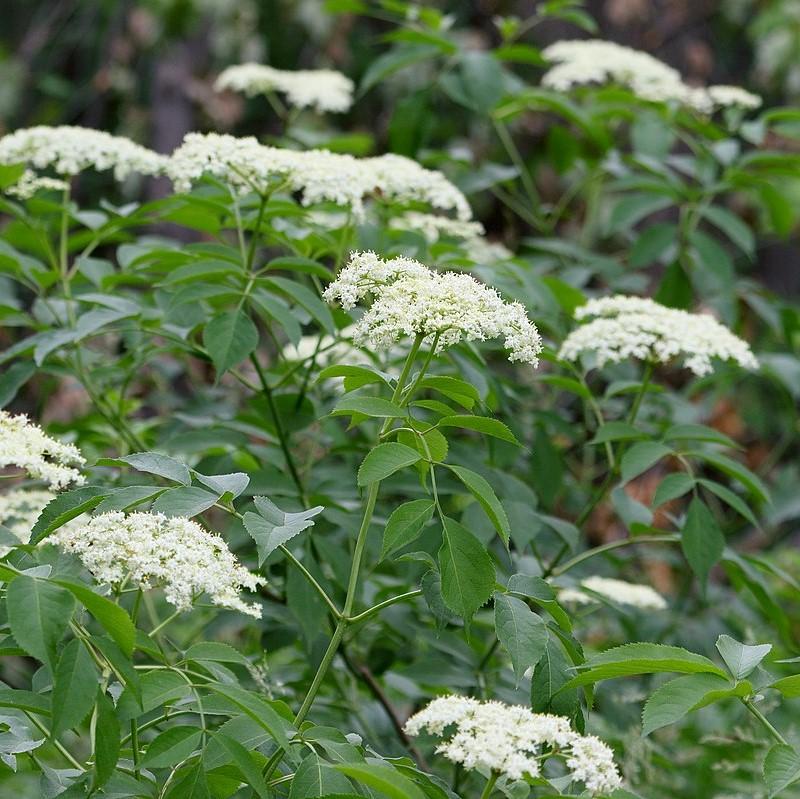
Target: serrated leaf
[
  {"x": 522, "y": 633},
  {"x": 405, "y": 524},
  {"x": 185, "y": 501},
  {"x": 74, "y": 687},
  {"x": 314, "y": 778},
  {"x": 740, "y": 658},
  {"x": 243, "y": 761},
  {"x": 271, "y": 527},
  {"x": 640, "y": 457},
  {"x": 481, "y": 424},
  {"x": 642, "y": 658},
  {"x": 64, "y": 508},
  {"x": 479, "y": 487},
  {"x": 384, "y": 460},
  {"x": 39, "y": 613},
  {"x": 383, "y": 778},
  {"x": 230, "y": 338},
  {"x": 675, "y": 698},
  {"x": 115, "y": 620},
  {"x": 172, "y": 746},
  {"x": 375, "y": 407},
  {"x": 467, "y": 570},
  {"x": 701, "y": 540},
  {"x": 673, "y": 486},
  {"x": 781, "y": 768}
]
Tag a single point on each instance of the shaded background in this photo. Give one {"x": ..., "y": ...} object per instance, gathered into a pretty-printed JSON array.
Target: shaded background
[{"x": 145, "y": 68}]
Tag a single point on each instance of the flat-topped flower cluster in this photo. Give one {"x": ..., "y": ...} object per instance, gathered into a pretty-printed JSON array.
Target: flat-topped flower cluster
[
  {"x": 635, "y": 327},
  {"x": 321, "y": 89},
  {"x": 69, "y": 150},
  {"x": 620, "y": 591},
  {"x": 318, "y": 175},
  {"x": 150, "y": 549},
  {"x": 26, "y": 446},
  {"x": 433, "y": 227},
  {"x": 408, "y": 299},
  {"x": 513, "y": 741},
  {"x": 579, "y": 62}
]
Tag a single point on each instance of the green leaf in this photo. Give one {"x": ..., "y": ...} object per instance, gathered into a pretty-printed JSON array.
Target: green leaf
[
  {"x": 232, "y": 483},
  {"x": 259, "y": 709},
  {"x": 155, "y": 688},
  {"x": 699, "y": 432},
  {"x": 230, "y": 338},
  {"x": 64, "y": 508},
  {"x": 640, "y": 457},
  {"x": 368, "y": 406},
  {"x": 633, "y": 208},
  {"x": 185, "y": 501},
  {"x": 106, "y": 739},
  {"x": 701, "y": 540},
  {"x": 13, "y": 379},
  {"x": 484, "y": 494},
  {"x": 673, "y": 486},
  {"x": 781, "y": 768},
  {"x": 243, "y": 761},
  {"x": 384, "y": 460},
  {"x": 405, "y": 524},
  {"x": 215, "y": 652},
  {"x": 652, "y": 243},
  {"x": 394, "y": 60},
  {"x": 25, "y": 700},
  {"x": 39, "y": 613},
  {"x": 675, "y": 698},
  {"x": 616, "y": 431},
  {"x": 735, "y": 470},
  {"x": 468, "y": 574},
  {"x": 520, "y": 631},
  {"x": 729, "y": 498},
  {"x": 172, "y": 746},
  {"x": 733, "y": 227},
  {"x": 193, "y": 783},
  {"x": 383, "y": 778},
  {"x": 306, "y": 299},
  {"x": 161, "y": 465},
  {"x": 740, "y": 658},
  {"x": 788, "y": 686},
  {"x": 481, "y": 424},
  {"x": 271, "y": 527},
  {"x": 314, "y": 777},
  {"x": 642, "y": 658},
  {"x": 457, "y": 390},
  {"x": 75, "y": 684},
  {"x": 550, "y": 676},
  {"x": 354, "y": 376},
  {"x": 115, "y": 620}
]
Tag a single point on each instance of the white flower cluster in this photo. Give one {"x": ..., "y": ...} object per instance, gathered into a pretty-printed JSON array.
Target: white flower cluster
[
  {"x": 512, "y": 740},
  {"x": 579, "y": 62},
  {"x": 29, "y": 183},
  {"x": 634, "y": 327},
  {"x": 152, "y": 549},
  {"x": 19, "y": 510},
  {"x": 322, "y": 89},
  {"x": 433, "y": 227},
  {"x": 408, "y": 299},
  {"x": 28, "y": 447},
  {"x": 639, "y": 596},
  {"x": 69, "y": 150},
  {"x": 318, "y": 175}
]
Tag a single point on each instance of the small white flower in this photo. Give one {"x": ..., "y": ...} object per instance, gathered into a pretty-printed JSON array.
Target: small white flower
[
  {"x": 433, "y": 227},
  {"x": 69, "y": 150},
  {"x": 640, "y": 596},
  {"x": 152, "y": 549},
  {"x": 322, "y": 89},
  {"x": 317, "y": 175},
  {"x": 29, "y": 183},
  {"x": 579, "y": 62},
  {"x": 510, "y": 740},
  {"x": 408, "y": 299},
  {"x": 634, "y": 327},
  {"x": 27, "y": 446}
]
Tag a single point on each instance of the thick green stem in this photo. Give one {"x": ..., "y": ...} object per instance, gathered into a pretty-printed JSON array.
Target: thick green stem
[
  {"x": 489, "y": 787},
  {"x": 358, "y": 552}
]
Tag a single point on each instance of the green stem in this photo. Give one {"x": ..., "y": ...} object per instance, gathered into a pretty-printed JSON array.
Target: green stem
[
  {"x": 358, "y": 552},
  {"x": 312, "y": 580},
  {"x": 519, "y": 162},
  {"x": 667, "y": 538},
  {"x": 385, "y": 604},
  {"x": 282, "y": 437},
  {"x": 764, "y": 721},
  {"x": 489, "y": 787}
]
